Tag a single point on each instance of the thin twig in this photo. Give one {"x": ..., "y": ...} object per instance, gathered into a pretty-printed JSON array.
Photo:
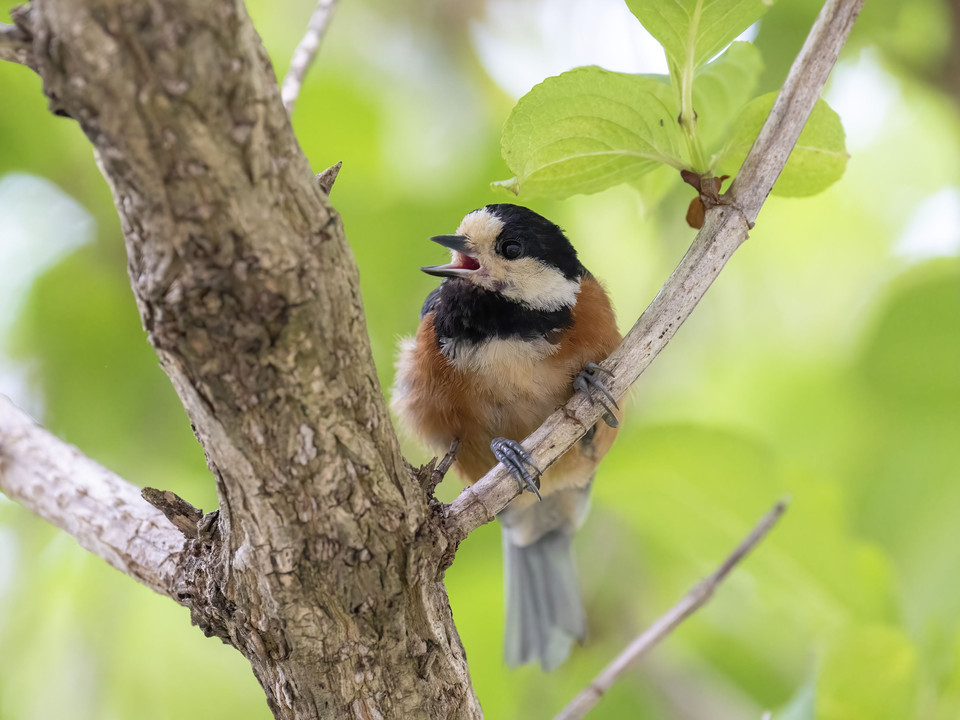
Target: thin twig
[
  {"x": 668, "y": 622},
  {"x": 724, "y": 230},
  {"x": 305, "y": 52}
]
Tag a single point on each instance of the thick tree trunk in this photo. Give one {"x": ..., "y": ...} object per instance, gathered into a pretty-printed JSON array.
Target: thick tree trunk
[{"x": 323, "y": 565}]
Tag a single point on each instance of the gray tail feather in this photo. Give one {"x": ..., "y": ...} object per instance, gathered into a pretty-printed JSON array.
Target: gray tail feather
[{"x": 544, "y": 610}]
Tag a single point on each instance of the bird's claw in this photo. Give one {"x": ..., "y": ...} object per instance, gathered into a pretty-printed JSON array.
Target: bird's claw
[
  {"x": 514, "y": 457},
  {"x": 589, "y": 383}
]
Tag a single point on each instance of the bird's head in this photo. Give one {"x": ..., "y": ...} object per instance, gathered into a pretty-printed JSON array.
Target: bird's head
[{"x": 513, "y": 251}]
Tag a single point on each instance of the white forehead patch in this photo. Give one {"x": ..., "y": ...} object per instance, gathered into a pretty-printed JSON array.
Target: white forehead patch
[{"x": 481, "y": 226}]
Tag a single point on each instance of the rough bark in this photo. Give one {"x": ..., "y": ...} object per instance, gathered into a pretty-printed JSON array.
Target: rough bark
[{"x": 322, "y": 565}]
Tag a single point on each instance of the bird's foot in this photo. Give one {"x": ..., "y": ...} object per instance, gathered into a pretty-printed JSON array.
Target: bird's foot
[
  {"x": 514, "y": 458},
  {"x": 588, "y": 382}
]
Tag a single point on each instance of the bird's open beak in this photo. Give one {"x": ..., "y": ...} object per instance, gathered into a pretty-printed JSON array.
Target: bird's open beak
[{"x": 463, "y": 262}]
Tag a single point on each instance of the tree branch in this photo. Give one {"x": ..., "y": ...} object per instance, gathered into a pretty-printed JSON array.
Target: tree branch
[
  {"x": 103, "y": 512},
  {"x": 669, "y": 621},
  {"x": 793, "y": 106},
  {"x": 725, "y": 229},
  {"x": 15, "y": 46},
  {"x": 305, "y": 52}
]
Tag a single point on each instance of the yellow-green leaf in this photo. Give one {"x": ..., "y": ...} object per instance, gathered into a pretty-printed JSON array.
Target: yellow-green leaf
[
  {"x": 817, "y": 161},
  {"x": 693, "y": 31},
  {"x": 722, "y": 87},
  {"x": 589, "y": 129}
]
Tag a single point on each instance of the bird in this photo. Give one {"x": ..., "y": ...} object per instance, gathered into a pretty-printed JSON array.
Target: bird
[{"x": 514, "y": 328}]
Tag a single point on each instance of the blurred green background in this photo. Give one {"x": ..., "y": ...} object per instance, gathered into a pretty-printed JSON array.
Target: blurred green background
[{"x": 824, "y": 365}]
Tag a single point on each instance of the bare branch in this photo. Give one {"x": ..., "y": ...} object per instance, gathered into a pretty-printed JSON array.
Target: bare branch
[
  {"x": 15, "y": 46},
  {"x": 725, "y": 229},
  {"x": 103, "y": 512},
  {"x": 305, "y": 52},
  {"x": 668, "y": 622}
]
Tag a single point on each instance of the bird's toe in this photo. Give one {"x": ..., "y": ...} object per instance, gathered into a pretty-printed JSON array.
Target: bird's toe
[{"x": 516, "y": 460}]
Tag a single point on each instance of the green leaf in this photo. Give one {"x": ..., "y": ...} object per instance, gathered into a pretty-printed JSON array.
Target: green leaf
[
  {"x": 589, "y": 129},
  {"x": 693, "y": 31},
  {"x": 722, "y": 87},
  {"x": 817, "y": 161}
]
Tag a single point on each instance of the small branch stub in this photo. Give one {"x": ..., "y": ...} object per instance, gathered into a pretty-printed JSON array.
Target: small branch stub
[
  {"x": 184, "y": 516},
  {"x": 329, "y": 176},
  {"x": 432, "y": 474}
]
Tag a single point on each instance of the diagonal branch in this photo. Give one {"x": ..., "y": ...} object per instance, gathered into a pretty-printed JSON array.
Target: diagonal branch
[
  {"x": 305, "y": 52},
  {"x": 725, "y": 229},
  {"x": 793, "y": 106},
  {"x": 103, "y": 512},
  {"x": 668, "y": 622}
]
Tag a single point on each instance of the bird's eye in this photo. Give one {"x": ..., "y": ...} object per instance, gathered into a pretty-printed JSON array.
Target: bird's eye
[{"x": 511, "y": 249}]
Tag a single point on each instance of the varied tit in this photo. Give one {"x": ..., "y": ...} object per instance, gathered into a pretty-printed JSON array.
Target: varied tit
[{"x": 514, "y": 328}]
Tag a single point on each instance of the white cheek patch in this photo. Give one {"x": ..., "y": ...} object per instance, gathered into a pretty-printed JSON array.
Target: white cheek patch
[{"x": 541, "y": 287}]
